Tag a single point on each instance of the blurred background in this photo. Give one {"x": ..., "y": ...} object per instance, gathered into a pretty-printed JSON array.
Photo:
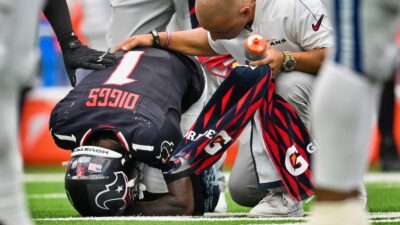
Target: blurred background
[{"x": 90, "y": 19}]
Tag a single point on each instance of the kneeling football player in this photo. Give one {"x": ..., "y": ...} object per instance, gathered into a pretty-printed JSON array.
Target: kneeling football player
[{"x": 122, "y": 124}]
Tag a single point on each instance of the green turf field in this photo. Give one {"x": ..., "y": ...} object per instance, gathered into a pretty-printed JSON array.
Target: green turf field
[{"x": 49, "y": 205}]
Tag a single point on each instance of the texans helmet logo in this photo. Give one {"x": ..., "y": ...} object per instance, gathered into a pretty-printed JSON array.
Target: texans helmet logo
[
  {"x": 116, "y": 194},
  {"x": 166, "y": 149}
]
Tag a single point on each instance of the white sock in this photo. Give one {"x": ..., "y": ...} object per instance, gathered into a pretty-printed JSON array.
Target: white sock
[
  {"x": 348, "y": 212},
  {"x": 344, "y": 104}
]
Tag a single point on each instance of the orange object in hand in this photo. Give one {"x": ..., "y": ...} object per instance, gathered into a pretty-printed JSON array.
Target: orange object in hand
[{"x": 255, "y": 46}]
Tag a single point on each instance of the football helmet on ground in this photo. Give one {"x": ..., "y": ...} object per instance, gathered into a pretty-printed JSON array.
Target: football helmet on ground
[{"x": 100, "y": 181}]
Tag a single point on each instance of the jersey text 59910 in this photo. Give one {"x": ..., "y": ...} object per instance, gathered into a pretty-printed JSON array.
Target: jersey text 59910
[{"x": 110, "y": 97}]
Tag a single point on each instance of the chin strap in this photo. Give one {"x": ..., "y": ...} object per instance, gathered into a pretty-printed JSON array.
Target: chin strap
[{"x": 137, "y": 187}]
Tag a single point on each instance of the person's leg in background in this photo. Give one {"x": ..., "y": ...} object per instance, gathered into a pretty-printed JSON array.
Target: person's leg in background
[
  {"x": 345, "y": 96},
  {"x": 333, "y": 180},
  {"x": 254, "y": 181},
  {"x": 262, "y": 188},
  {"x": 18, "y": 25},
  {"x": 389, "y": 159},
  {"x": 243, "y": 181},
  {"x": 297, "y": 89},
  {"x": 137, "y": 17}
]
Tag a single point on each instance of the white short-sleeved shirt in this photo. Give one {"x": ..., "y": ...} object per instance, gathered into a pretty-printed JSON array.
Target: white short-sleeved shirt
[{"x": 287, "y": 25}]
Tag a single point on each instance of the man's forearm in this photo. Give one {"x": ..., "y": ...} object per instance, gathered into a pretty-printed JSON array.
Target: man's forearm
[
  {"x": 190, "y": 42},
  {"x": 165, "y": 206},
  {"x": 179, "y": 201},
  {"x": 310, "y": 61}
]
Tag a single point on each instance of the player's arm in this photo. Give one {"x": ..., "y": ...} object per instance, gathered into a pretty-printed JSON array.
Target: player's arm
[
  {"x": 179, "y": 201},
  {"x": 310, "y": 61},
  {"x": 190, "y": 42},
  {"x": 75, "y": 54}
]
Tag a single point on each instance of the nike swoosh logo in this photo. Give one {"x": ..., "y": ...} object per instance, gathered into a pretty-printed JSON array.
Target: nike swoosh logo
[{"x": 316, "y": 26}]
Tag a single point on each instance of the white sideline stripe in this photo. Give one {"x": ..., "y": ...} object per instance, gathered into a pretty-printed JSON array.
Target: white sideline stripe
[
  {"x": 382, "y": 177},
  {"x": 372, "y": 221},
  {"x": 386, "y": 221},
  {"x": 375, "y": 217},
  {"x": 47, "y": 196},
  {"x": 170, "y": 218},
  {"x": 386, "y": 177},
  {"x": 292, "y": 223},
  {"x": 230, "y": 214},
  {"x": 380, "y": 215},
  {"x": 49, "y": 177},
  {"x": 369, "y": 178}
]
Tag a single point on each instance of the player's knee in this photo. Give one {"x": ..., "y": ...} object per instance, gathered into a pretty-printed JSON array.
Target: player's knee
[
  {"x": 288, "y": 83},
  {"x": 239, "y": 192}
]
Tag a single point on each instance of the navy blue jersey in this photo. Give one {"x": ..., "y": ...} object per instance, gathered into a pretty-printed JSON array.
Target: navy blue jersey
[{"x": 140, "y": 98}]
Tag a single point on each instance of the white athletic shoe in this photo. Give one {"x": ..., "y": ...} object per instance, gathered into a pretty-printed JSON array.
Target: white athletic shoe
[
  {"x": 221, "y": 207},
  {"x": 277, "y": 204},
  {"x": 348, "y": 212}
]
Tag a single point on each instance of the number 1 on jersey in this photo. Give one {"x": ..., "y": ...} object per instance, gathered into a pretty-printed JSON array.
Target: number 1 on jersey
[{"x": 126, "y": 66}]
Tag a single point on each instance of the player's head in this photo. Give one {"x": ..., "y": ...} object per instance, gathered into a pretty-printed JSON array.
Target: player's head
[{"x": 101, "y": 179}]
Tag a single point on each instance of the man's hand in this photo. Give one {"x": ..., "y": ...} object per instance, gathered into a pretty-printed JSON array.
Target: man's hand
[
  {"x": 144, "y": 40},
  {"x": 178, "y": 201},
  {"x": 76, "y": 55},
  {"x": 306, "y": 61},
  {"x": 274, "y": 59}
]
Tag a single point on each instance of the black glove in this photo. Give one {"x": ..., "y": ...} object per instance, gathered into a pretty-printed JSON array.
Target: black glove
[{"x": 76, "y": 55}]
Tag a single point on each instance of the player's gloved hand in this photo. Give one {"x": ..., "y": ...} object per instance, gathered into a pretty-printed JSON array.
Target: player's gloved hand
[
  {"x": 76, "y": 55},
  {"x": 138, "y": 188},
  {"x": 142, "y": 188}
]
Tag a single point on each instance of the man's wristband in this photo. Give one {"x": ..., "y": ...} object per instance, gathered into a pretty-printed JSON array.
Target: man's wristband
[
  {"x": 66, "y": 39},
  {"x": 168, "y": 40},
  {"x": 156, "y": 39}
]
